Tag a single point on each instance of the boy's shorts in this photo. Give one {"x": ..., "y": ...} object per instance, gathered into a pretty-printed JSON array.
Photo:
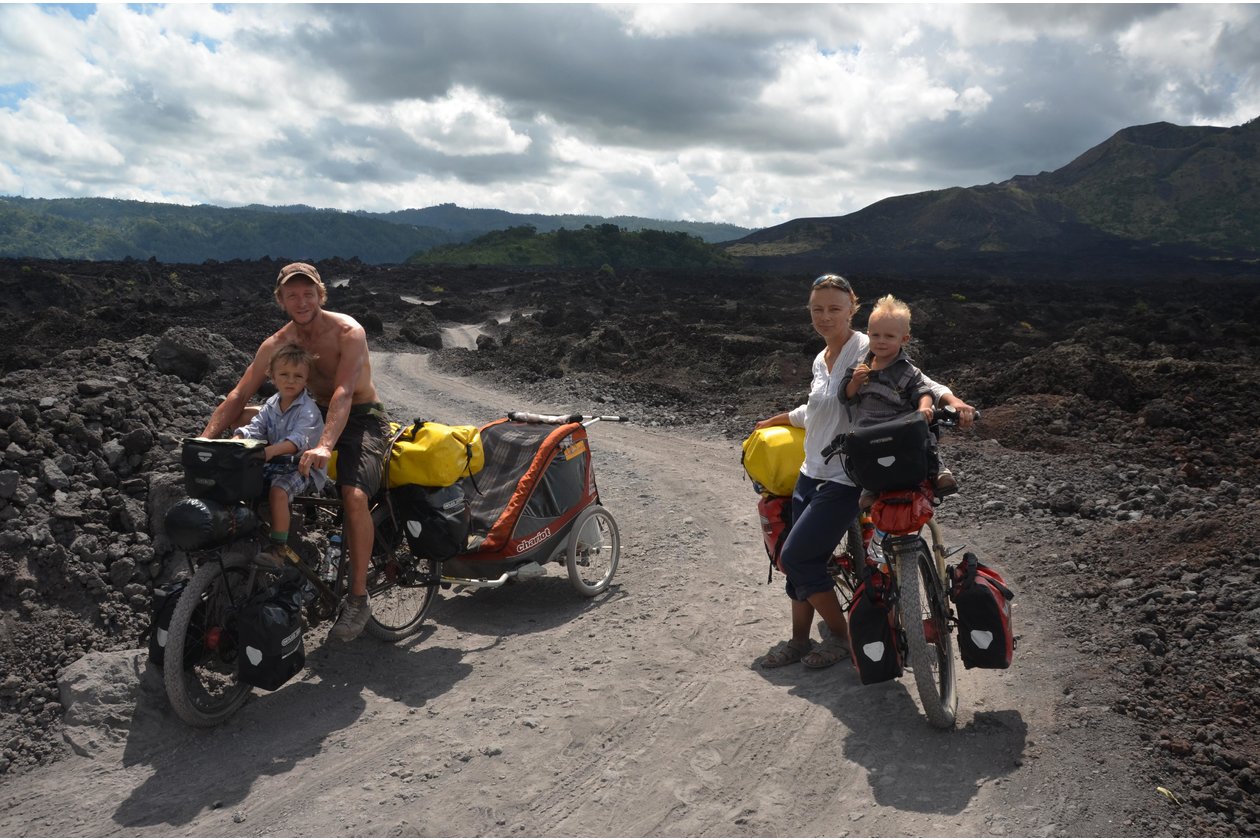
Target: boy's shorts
[
  {"x": 361, "y": 448},
  {"x": 287, "y": 477}
]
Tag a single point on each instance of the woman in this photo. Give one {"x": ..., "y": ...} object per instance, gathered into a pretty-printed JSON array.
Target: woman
[{"x": 825, "y": 499}]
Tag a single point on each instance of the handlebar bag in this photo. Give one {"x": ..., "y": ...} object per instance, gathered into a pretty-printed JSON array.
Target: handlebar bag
[
  {"x": 773, "y": 457},
  {"x": 223, "y": 470},
  {"x": 872, "y": 634},
  {"x": 985, "y": 637},
  {"x": 435, "y": 455},
  {"x": 894, "y": 455},
  {"x": 269, "y": 642}
]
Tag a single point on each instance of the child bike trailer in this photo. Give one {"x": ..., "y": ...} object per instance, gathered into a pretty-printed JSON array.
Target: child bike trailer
[{"x": 535, "y": 502}]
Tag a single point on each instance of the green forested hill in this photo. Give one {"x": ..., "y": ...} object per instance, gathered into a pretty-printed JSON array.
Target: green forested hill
[
  {"x": 109, "y": 229},
  {"x": 591, "y": 246},
  {"x": 459, "y": 220}
]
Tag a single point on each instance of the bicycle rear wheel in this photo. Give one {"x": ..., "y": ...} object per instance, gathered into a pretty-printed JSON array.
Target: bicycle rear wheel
[
  {"x": 925, "y": 620},
  {"x": 403, "y": 590},
  {"x": 200, "y": 662},
  {"x": 845, "y": 565}
]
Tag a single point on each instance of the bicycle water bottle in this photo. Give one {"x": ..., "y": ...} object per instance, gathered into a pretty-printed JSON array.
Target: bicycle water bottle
[{"x": 332, "y": 559}]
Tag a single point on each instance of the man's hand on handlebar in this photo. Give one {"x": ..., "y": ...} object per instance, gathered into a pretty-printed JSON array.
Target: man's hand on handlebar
[{"x": 316, "y": 457}]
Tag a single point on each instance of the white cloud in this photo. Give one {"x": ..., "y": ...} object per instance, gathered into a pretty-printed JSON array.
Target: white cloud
[{"x": 751, "y": 113}]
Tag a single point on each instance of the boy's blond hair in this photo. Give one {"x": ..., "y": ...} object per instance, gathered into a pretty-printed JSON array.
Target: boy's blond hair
[
  {"x": 292, "y": 354},
  {"x": 890, "y": 307}
]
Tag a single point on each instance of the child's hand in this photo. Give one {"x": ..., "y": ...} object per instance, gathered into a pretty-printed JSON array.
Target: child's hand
[
  {"x": 928, "y": 413},
  {"x": 861, "y": 373}
]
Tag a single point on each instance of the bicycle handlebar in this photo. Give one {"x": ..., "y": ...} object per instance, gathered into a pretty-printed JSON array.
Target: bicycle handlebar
[{"x": 946, "y": 417}]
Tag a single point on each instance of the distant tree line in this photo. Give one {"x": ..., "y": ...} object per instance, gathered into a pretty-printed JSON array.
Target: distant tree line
[
  {"x": 115, "y": 229},
  {"x": 593, "y": 245}
]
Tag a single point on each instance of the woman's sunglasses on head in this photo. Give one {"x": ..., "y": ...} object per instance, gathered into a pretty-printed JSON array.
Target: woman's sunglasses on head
[{"x": 835, "y": 281}]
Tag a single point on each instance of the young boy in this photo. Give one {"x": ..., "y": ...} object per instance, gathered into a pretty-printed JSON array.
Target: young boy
[
  {"x": 888, "y": 385},
  {"x": 290, "y": 423}
]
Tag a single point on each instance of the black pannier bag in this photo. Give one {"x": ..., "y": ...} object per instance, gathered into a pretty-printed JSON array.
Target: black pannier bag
[
  {"x": 985, "y": 636},
  {"x": 895, "y": 455},
  {"x": 223, "y": 470},
  {"x": 269, "y": 647},
  {"x": 200, "y": 524},
  {"x": 162, "y": 608},
  {"x": 872, "y": 635},
  {"x": 436, "y": 520}
]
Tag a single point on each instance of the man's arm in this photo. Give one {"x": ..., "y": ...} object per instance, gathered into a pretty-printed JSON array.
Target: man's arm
[
  {"x": 354, "y": 357},
  {"x": 253, "y": 378}
]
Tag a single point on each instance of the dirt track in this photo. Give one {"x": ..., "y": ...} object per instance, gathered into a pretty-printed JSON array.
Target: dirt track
[{"x": 529, "y": 710}]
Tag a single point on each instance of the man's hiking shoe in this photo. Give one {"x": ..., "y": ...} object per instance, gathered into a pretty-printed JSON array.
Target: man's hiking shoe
[
  {"x": 355, "y": 613},
  {"x": 276, "y": 557},
  {"x": 946, "y": 484}
]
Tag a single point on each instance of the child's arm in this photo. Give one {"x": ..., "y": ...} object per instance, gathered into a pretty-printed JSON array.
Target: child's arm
[
  {"x": 854, "y": 380},
  {"x": 925, "y": 406},
  {"x": 283, "y": 447}
]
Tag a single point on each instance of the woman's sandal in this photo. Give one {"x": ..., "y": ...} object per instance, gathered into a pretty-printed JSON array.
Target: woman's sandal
[
  {"x": 785, "y": 653},
  {"x": 826, "y": 654}
]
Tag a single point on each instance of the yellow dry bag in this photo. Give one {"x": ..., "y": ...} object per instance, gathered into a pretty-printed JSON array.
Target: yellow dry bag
[
  {"x": 773, "y": 457},
  {"x": 434, "y": 454}
]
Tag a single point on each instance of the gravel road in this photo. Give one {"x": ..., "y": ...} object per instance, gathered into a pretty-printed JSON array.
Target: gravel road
[{"x": 529, "y": 710}]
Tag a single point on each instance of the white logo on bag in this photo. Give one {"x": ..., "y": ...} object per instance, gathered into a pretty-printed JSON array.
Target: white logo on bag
[
  {"x": 253, "y": 654},
  {"x": 204, "y": 457},
  {"x": 874, "y": 651},
  {"x": 414, "y": 528},
  {"x": 982, "y": 638},
  {"x": 886, "y": 461}
]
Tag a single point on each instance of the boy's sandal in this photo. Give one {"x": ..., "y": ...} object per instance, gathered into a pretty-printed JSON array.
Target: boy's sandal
[
  {"x": 785, "y": 653},
  {"x": 831, "y": 651}
]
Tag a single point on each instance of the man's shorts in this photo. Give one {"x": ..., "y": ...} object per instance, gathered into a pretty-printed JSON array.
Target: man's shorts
[
  {"x": 362, "y": 447},
  {"x": 287, "y": 477}
]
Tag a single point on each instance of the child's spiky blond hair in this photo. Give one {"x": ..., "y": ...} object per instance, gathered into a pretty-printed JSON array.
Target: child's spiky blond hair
[{"x": 890, "y": 307}]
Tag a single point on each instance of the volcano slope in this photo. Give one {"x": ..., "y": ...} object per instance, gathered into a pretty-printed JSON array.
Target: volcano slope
[{"x": 1114, "y": 476}]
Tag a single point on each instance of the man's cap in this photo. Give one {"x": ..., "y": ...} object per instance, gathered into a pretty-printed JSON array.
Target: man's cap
[{"x": 298, "y": 269}]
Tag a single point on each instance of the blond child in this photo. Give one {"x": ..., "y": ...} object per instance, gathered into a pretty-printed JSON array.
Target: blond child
[
  {"x": 887, "y": 384},
  {"x": 290, "y": 422}
]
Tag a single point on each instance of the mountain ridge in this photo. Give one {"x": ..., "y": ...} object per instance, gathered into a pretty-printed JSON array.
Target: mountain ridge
[{"x": 1149, "y": 193}]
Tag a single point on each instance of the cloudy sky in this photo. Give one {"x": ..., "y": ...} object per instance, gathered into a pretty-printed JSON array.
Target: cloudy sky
[{"x": 750, "y": 114}]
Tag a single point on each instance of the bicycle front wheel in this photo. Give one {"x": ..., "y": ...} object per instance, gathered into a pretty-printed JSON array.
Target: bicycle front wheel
[
  {"x": 199, "y": 667},
  {"x": 403, "y": 590},
  {"x": 925, "y": 620}
]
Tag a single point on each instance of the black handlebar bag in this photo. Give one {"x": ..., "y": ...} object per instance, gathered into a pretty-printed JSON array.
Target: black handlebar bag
[
  {"x": 223, "y": 470},
  {"x": 895, "y": 455}
]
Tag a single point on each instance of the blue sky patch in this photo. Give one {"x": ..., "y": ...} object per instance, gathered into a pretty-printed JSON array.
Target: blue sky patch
[{"x": 12, "y": 95}]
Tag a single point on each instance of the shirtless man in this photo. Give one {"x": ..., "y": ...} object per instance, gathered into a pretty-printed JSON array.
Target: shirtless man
[{"x": 354, "y": 423}]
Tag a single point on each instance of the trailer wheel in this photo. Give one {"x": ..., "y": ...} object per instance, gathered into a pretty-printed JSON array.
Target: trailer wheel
[{"x": 593, "y": 552}]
